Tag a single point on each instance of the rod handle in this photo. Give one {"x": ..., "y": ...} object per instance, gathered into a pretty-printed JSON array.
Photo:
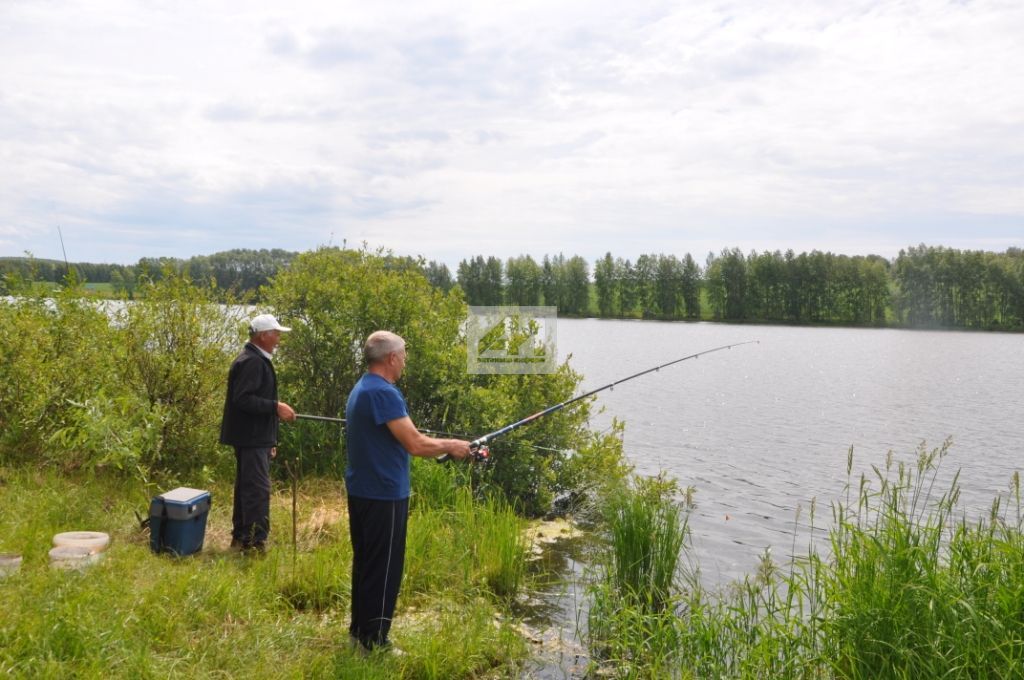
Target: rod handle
[{"x": 477, "y": 449}]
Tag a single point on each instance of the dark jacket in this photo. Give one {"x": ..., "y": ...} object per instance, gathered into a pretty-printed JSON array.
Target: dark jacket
[{"x": 250, "y": 408}]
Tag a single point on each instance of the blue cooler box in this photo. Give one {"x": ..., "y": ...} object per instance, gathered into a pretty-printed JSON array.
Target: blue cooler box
[{"x": 177, "y": 521}]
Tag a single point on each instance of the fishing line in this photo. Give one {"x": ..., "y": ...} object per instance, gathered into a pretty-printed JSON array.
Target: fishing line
[{"x": 480, "y": 444}]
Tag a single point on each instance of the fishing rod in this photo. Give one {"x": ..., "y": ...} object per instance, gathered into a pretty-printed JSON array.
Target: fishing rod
[
  {"x": 438, "y": 433},
  {"x": 480, "y": 444}
]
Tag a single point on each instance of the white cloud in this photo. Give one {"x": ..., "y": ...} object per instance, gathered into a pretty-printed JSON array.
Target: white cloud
[{"x": 450, "y": 128}]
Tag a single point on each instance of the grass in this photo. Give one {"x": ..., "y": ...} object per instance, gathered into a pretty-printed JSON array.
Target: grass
[
  {"x": 219, "y": 614},
  {"x": 908, "y": 586}
]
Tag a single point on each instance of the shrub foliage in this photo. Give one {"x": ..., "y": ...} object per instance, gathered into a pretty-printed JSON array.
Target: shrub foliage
[{"x": 138, "y": 386}]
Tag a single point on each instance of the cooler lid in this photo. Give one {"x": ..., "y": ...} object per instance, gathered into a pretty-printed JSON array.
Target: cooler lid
[{"x": 183, "y": 494}]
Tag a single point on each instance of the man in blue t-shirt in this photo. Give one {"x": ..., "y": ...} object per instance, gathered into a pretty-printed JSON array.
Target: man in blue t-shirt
[{"x": 379, "y": 438}]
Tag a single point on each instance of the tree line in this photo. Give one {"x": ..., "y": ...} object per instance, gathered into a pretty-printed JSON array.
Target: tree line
[
  {"x": 924, "y": 286},
  {"x": 239, "y": 270}
]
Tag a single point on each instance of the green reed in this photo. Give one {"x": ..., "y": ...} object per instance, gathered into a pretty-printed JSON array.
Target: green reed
[
  {"x": 630, "y": 616},
  {"x": 907, "y": 586}
]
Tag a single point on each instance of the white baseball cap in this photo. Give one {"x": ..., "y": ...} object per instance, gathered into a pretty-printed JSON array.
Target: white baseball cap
[{"x": 265, "y": 322}]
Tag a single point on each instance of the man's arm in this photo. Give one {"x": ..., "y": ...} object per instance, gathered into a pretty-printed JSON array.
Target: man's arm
[{"x": 419, "y": 444}]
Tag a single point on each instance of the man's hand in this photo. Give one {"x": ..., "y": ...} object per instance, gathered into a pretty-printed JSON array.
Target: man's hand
[
  {"x": 285, "y": 412},
  {"x": 457, "y": 448},
  {"x": 273, "y": 452},
  {"x": 419, "y": 444}
]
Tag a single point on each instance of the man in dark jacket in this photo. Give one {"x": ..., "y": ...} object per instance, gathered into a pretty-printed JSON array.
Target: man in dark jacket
[{"x": 251, "y": 414}]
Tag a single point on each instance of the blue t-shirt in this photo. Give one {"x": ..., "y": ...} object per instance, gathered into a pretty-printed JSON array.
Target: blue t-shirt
[{"x": 378, "y": 466}]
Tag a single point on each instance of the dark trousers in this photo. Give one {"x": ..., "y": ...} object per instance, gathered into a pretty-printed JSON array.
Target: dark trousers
[
  {"x": 250, "y": 517},
  {"x": 378, "y": 530}
]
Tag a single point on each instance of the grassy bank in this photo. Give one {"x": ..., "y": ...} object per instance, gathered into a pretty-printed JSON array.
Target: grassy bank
[
  {"x": 906, "y": 587},
  {"x": 220, "y": 614}
]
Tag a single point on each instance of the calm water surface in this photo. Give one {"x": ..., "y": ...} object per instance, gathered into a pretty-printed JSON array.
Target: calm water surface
[{"x": 761, "y": 430}]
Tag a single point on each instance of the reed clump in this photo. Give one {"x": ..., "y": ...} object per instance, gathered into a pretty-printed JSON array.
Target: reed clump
[{"x": 907, "y": 586}]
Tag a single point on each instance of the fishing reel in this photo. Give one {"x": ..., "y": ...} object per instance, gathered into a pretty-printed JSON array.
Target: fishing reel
[{"x": 480, "y": 453}]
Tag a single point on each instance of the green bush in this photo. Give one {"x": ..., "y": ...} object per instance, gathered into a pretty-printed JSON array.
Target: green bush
[
  {"x": 335, "y": 298},
  {"x": 178, "y": 344},
  {"x": 138, "y": 388},
  {"x": 59, "y": 353}
]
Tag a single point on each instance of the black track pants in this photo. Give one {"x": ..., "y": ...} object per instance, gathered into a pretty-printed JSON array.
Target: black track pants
[
  {"x": 378, "y": 531},
  {"x": 250, "y": 518}
]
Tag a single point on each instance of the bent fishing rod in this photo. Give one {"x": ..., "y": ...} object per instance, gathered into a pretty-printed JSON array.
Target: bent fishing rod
[{"x": 479, "y": 446}]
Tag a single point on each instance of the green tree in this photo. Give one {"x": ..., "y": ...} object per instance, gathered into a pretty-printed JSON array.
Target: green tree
[
  {"x": 916, "y": 286},
  {"x": 644, "y": 274},
  {"x": 552, "y": 280},
  {"x": 439, "y": 275},
  {"x": 629, "y": 293},
  {"x": 690, "y": 285},
  {"x": 576, "y": 298},
  {"x": 481, "y": 280},
  {"x": 727, "y": 284},
  {"x": 668, "y": 286},
  {"x": 494, "y": 281},
  {"x": 335, "y": 298},
  {"x": 523, "y": 281},
  {"x": 607, "y": 284}
]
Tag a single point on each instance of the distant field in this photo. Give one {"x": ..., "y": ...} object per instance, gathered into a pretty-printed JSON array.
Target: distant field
[
  {"x": 100, "y": 287},
  {"x": 48, "y": 286}
]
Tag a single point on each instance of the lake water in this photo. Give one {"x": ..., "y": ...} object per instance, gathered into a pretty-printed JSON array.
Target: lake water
[{"x": 763, "y": 429}]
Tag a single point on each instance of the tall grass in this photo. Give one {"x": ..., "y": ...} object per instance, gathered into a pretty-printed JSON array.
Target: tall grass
[
  {"x": 219, "y": 614},
  {"x": 468, "y": 542},
  {"x": 907, "y": 586},
  {"x": 630, "y": 620},
  {"x": 915, "y": 589}
]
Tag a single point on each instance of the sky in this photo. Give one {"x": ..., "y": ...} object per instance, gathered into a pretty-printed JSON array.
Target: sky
[{"x": 449, "y": 129}]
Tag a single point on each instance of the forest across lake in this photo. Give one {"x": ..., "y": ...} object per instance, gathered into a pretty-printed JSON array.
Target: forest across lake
[{"x": 923, "y": 287}]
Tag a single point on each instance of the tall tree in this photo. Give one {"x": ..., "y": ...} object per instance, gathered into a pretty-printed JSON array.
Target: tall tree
[
  {"x": 629, "y": 295},
  {"x": 439, "y": 276},
  {"x": 691, "y": 280},
  {"x": 668, "y": 285},
  {"x": 552, "y": 280},
  {"x": 480, "y": 280},
  {"x": 523, "y": 281},
  {"x": 577, "y": 286},
  {"x": 644, "y": 273},
  {"x": 606, "y": 285}
]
